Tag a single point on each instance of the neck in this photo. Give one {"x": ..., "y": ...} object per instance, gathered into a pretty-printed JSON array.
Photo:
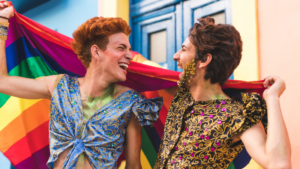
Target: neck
[
  {"x": 204, "y": 90},
  {"x": 94, "y": 83}
]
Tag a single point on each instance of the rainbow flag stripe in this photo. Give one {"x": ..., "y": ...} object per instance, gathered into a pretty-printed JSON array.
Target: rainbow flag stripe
[{"x": 34, "y": 51}]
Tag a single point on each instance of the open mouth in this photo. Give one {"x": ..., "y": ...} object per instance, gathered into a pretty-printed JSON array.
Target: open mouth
[{"x": 123, "y": 66}]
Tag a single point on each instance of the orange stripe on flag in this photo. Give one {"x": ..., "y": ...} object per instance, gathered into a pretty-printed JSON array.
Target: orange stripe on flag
[
  {"x": 163, "y": 115},
  {"x": 30, "y": 119},
  {"x": 167, "y": 98},
  {"x": 167, "y": 103},
  {"x": 14, "y": 108},
  {"x": 31, "y": 143}
]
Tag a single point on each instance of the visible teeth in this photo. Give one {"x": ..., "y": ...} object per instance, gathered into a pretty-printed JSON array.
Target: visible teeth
[{"x": 122, "y": 64}]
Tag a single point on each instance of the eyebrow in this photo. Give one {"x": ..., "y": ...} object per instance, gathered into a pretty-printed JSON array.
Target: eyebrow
[
  {"x": 125, "y": 46},
  {"x": 183, "y": 46}
]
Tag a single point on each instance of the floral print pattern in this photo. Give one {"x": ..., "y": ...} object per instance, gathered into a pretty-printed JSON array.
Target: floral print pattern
[{"x": 199, "y": 134}]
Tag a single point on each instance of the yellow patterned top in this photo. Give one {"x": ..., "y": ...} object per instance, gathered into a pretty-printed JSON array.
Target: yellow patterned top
[{"x": 199, "y": 134}]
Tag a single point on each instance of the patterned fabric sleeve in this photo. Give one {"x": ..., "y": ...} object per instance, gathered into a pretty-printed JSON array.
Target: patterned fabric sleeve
[
  {"x": 57, "y": 80},
  {"x": 147, "y": 110},
  {"x": 254, "y": 111}
]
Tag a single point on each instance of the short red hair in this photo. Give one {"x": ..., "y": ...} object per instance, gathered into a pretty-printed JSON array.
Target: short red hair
[{"x": 96, "y": 31}]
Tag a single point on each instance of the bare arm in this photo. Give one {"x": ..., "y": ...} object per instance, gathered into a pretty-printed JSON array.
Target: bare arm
[
  {"x": 133, "y": 144},
  {"x": 272, "y": 150},
  {"x": 19, "y": 86}
]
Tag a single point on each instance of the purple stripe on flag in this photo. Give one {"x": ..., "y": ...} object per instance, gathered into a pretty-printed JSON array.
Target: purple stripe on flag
[
  {"x": 66, "y": 58},
  {"x": 14, "y": 32},
  {"x": 38, "y": 160},
  {"x": 137, "y": 82}
]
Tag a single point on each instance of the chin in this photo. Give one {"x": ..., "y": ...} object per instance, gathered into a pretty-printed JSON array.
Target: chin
[{"x": 122, "y": 79}]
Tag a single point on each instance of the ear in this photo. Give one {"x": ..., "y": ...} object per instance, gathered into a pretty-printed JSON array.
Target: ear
[
  {"x": 96, "y": 52},
  {"x": 205, "y": 63}
]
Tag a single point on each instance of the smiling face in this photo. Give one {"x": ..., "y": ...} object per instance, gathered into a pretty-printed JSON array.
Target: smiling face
[
  {"x": 113, "y": 62},
  {"x": 185, "y": 55}
]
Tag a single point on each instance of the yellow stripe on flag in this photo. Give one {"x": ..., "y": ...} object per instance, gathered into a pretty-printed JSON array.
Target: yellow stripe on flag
[
  {"x": 122, "y": 165},
  {"x": 13, "y": 108},
  {"x": 29, "y": 120},
  {"x": 253, "y": 165},
  {"x": 144, "y": 161}
]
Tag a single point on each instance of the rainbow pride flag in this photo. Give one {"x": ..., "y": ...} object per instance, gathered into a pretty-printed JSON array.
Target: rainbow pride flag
[{"x": 34, "y": 51}]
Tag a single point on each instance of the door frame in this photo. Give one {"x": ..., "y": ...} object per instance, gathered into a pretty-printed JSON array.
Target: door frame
[{"x": 206, "y": 7}]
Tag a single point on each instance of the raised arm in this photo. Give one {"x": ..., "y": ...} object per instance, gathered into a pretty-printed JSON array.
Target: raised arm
[
  {"x": 272, "y": 150},
  {"x": 19, "y": 86}
]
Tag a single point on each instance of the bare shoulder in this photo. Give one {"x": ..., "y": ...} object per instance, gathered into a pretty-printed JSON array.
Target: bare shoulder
[
  {"x": 49, "y": 81},
  {"x": 255, "y": 131}
]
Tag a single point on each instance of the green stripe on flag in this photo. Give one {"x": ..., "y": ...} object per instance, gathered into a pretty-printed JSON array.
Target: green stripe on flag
[
  {"x": 33, "y": 67},
  {"x": 148, "y": 148},
  {"x": 231, "y": 166}
]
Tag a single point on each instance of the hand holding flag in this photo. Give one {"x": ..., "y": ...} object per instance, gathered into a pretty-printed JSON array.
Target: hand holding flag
[{"x": 6, "y": 10}]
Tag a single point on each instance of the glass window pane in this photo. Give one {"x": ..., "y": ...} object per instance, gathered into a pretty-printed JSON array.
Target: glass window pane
[
  {"x": 158, "y": 46},
  {"x": 219, "y": 18}
]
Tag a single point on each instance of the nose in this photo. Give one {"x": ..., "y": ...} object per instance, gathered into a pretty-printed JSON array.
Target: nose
[
  {"x": 129, "y": 56},
  {"x": 176, "y": 57}
]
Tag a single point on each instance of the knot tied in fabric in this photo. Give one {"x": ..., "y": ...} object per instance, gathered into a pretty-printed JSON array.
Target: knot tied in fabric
[{"x": 77, "y": 149}]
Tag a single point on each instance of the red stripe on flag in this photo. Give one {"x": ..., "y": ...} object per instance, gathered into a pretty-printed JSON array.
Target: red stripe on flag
[
  {"x": 150, "y": 94},
  {"x": 28, "y": 145},
  {"x": 163, "y": 114},
  {"x": 159, "y": 127}
]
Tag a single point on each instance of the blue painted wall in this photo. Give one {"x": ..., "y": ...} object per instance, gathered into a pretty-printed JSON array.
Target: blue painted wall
[
  {"x": 64, "y": 16},
  {"x": 4, "y": 163},
  {"x": 25, "y": 5},
  {"x": 137, "y": 1}
]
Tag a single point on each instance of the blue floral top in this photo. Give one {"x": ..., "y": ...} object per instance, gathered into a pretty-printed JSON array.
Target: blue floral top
[{"x": 102, "y": 136}]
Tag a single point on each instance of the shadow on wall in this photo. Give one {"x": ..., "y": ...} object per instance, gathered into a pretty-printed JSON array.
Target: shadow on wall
[{"x": 24, "y": 5}]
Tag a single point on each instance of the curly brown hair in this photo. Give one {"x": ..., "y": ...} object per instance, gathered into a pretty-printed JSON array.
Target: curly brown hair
[
  {"x": 223, "y": 42},
  {"x": 96, "y": 31}
]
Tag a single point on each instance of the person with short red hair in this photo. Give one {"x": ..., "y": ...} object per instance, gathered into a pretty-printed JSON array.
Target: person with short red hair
[{"x": 92, "y": 117}]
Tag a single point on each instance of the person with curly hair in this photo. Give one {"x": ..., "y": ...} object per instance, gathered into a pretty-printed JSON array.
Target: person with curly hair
[
  {"x": 205, "y": 128},
  {"x": 92, "y": 117}
]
